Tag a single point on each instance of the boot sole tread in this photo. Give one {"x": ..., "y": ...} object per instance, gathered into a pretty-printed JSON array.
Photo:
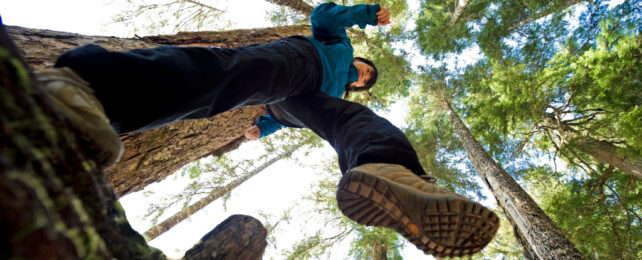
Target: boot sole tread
[{"x": 451, "y": 226}]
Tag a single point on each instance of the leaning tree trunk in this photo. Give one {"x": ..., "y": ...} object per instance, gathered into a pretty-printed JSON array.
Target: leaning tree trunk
[
  {"x": 601, "y": 151},
  {"x": 537, "y": 233},
  {"x": 150, "y": 156},
  {"x": 188, "y": 211},
  {"x": 607, "y": 153}
]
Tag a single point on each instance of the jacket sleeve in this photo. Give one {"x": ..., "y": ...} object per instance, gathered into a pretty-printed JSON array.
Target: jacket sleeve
[
  {"x": 268, "y": 125},
  {"x": 329, "y": 20}
]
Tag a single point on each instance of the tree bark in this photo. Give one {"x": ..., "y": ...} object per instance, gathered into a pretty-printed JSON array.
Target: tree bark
[
  {"x": 297, "y": 5},
  {"x": 607, "y": 153},
  {"x": 238, "y": 237},
  {"x": 188, "y": 211},
  {"x": 379, "y": 250},
  {"x": 56, "y": 204},
  {"x": 601, "y": 151},
  {"x": 537, "y": 233},
  {"x": 151, "y": 156},
  {"x": 460, "y": 7}
]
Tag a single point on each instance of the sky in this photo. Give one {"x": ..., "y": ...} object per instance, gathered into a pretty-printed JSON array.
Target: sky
[{"x": 277, "y": 188}]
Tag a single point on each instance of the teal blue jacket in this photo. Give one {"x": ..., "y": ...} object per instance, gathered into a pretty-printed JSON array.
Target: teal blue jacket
[{"x": 329, "y": 36}]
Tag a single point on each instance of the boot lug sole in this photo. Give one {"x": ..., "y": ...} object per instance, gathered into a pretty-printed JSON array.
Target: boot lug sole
[{"x": 450, "y": 226}]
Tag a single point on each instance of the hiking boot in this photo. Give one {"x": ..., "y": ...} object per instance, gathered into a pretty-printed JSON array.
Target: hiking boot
[
  {"x": 438, "y": 222},
  {"x": 73, "y": 97}
]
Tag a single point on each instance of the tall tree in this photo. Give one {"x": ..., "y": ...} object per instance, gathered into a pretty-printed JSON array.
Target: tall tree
[
  {"x": 583, "y": 107},
  {"x": 539, "y": 236},
  {"x": 218, "y": 192},
  {"x": 152, "y": 155}
]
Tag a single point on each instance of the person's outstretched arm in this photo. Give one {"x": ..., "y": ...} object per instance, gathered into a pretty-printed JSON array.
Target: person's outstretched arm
[
  {"x": 264, "y": 126},
  {"x": 329, "y": 20}
]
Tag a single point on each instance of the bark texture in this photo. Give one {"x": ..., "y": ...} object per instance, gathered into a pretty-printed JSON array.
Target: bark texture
[
  {"x": 460, "y": 7},
  {"x": 537, "y": 233},
  {"x": 145, "y": 160},
  {"x": 607, "y": 152},
  {"x": 55, "y": 203},
  {"x": 151, "y": 156},
  {"x": 188, "y": 211},
  {"x": 238, "y": 237},
  {"x": 601, "y": 151},
  {"x": 379, "y": 250}
]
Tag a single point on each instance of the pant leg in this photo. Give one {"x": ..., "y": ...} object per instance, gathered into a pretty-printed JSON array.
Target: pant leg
[
  {"x": 357, "y": 134},
  {"x": 147, "y": 88}
]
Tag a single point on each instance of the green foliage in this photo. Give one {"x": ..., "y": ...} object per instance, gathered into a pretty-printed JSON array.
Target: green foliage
[
  {"x": 436, "y": 35},
  {"x": 601, "y": 214},
  {"x": 595, "y": 94},
  {"x": 607, "y": 78},
  {"x": 630, "y": 125},
  {"x": 326, "y": 212},
  {"x": 282, "y": 15},
  {"x": 485, "y": 23},
  {"x": 370, "y": 239},
  {"x": 273, "y": 223},
  {"x": 377, "y": 44}
]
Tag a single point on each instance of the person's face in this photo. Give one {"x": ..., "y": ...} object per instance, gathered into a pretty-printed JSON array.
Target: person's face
[{"x": 365, "y": 72}]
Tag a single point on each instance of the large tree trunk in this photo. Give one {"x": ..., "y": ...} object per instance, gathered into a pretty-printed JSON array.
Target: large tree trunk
[
  {"x": 537, "y": 233},
  {"x": 54, "y": 202},
  {"x": 151, "y": 156},
  {"x": 238, "y": 237},
  {"x": 188, "y": 211}
]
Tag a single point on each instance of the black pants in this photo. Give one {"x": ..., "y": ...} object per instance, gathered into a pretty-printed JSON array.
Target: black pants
[{"x": 147, "y": 88}]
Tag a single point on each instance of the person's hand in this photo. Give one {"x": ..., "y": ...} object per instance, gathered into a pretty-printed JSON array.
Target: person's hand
[
  {"x": 253, "y": 132},
  {"x": 383, "y": 16}
]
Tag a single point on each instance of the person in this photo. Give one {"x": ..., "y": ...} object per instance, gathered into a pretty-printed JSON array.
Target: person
[
  {"x": 300, "y": 79},
  {"x": 267, "y": 124}
]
